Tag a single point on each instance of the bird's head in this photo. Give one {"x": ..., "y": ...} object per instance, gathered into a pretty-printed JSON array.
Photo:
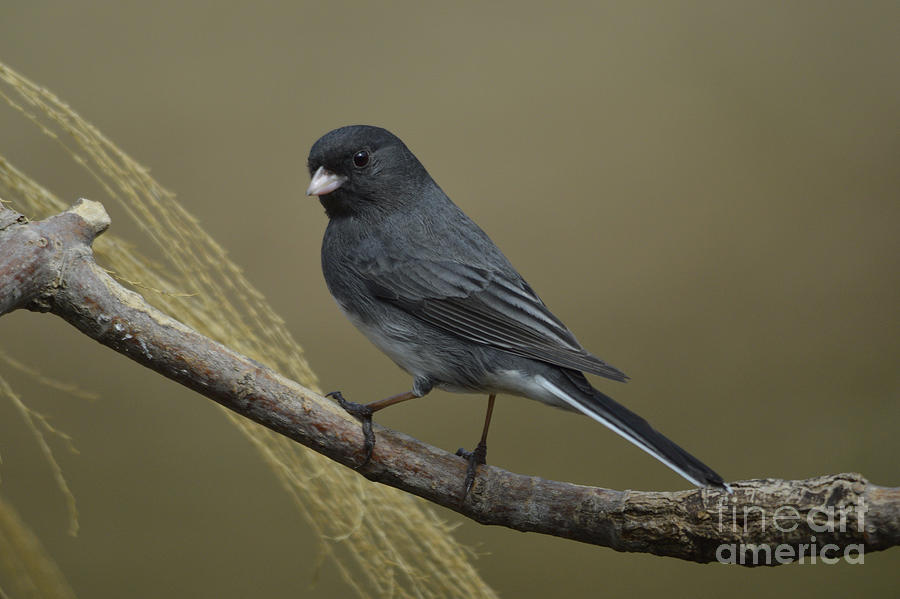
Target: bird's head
[{"x": 362, "y": 169}]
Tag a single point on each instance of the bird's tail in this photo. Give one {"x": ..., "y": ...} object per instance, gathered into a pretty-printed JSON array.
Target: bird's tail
[{"x": 575, "y": 391}]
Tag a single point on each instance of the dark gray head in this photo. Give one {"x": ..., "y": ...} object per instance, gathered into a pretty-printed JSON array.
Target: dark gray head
[{"x": 360, "y": 170}]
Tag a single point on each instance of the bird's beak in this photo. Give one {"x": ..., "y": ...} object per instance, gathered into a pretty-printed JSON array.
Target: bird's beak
[{"x": 323, "y": 182}]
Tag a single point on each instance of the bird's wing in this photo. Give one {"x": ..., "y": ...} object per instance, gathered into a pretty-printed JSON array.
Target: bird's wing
[{"x": 490, "y": 307}]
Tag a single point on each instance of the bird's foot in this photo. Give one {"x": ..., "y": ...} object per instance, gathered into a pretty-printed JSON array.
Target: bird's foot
[
  {"x": 363, "y": 413},
  {"x": 476, "y": 458}
]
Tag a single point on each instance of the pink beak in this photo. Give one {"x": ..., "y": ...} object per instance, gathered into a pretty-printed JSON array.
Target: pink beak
[{"x": 324, "y": 182}]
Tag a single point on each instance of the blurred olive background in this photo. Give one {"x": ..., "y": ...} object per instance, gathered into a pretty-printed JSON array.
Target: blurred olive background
[{"x": 706, "y": 193}]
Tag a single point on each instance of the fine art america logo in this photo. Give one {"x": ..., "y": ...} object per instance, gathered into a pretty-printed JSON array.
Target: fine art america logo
[{"x": 830, "y": 521}]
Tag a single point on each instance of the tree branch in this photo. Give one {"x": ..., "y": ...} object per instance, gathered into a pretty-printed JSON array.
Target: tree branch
[{"x": 48, "y": 266}]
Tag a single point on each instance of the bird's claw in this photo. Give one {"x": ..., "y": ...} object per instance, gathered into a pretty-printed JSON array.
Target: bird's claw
[
  {"x": 363, "y": 413},
  {"x": 476, "y": 457}
]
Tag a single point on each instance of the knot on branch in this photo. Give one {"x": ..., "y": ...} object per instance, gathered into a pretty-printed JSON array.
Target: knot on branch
[
  {"x": 94, "y": 215},
  {"x": 34, "y": 255}
]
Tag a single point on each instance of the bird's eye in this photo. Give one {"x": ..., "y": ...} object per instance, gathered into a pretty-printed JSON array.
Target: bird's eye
[{"x": 361, "y": 159}]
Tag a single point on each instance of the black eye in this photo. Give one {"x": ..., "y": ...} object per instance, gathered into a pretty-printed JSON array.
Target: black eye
[{"x": 361, "y": 159}]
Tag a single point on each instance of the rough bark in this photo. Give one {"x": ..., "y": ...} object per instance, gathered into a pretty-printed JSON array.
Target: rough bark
[{"x": 48, "y": 266}]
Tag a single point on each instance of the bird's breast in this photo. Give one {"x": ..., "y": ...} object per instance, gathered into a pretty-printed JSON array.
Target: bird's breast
[{"x": 403, "y": 341}]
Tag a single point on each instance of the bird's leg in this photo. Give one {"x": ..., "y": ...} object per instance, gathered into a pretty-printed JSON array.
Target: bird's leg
[
  {"x": 363, "y": 413},
  {"x": 477, "y": 456}
]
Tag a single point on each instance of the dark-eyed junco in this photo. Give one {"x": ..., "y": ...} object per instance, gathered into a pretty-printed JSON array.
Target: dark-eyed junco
[{"x": 428, "y": 287}]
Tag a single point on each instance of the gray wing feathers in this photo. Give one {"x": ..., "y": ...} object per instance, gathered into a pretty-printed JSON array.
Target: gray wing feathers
[{"x": 485, "y": 306}]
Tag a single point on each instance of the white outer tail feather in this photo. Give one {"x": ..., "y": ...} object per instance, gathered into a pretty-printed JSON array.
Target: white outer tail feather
[{"x": 562, "y": 395}]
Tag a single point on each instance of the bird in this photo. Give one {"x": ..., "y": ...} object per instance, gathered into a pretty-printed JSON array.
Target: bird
[{"x": 429, "y": 288}]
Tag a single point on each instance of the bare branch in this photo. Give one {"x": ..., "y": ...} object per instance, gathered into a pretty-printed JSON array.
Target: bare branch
[{"x": 49, "y": 266}]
